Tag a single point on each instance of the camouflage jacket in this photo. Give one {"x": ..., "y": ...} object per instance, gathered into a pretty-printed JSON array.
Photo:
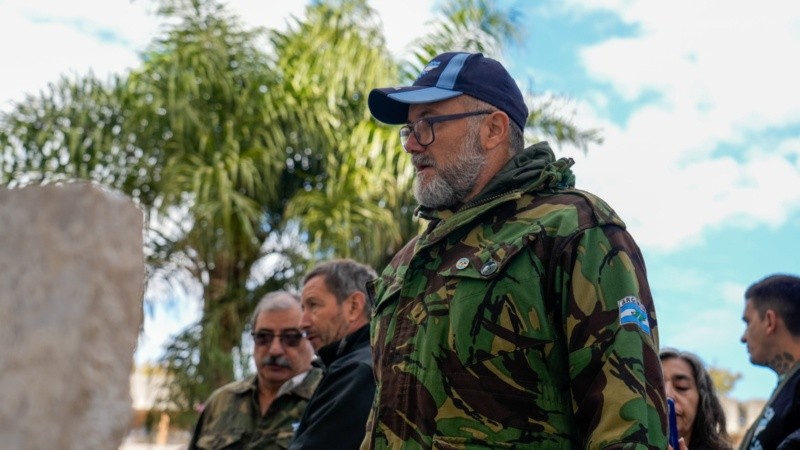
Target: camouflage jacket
[
  {"x": 231, "y": 418},
  {"x": 522, "y": 320}
]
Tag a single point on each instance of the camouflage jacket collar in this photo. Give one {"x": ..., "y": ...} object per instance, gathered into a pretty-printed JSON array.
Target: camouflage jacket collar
[
  {"x": 533, "y": 169},
  {"x": 304, "y": 388},
  {"x": 249, "y": 384}
]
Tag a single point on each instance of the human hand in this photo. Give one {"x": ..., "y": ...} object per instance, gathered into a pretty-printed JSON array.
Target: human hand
[{"x": 681, "y": 445}]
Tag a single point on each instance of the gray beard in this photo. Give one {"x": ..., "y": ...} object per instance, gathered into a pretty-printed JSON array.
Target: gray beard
[{"x": 450, "y": 186}]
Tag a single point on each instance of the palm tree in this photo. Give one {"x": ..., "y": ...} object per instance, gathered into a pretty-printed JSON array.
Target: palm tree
[
  {"x": 344, "y": 209},
  {"x": 203, "y": 97}
]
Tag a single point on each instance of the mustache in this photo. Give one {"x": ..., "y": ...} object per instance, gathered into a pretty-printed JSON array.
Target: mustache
[
  {"x": 422, "y": 159},
  {"x": 281, "y": 361}
]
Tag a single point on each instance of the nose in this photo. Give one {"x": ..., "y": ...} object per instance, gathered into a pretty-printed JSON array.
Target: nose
[
  {"x": 412, "y": 145},
  {"x": 305, "y": 320},
  {"x": 743, "y": 339},
  {"x": 275, "y": 347},
  {"x": 669, "y": 390}
]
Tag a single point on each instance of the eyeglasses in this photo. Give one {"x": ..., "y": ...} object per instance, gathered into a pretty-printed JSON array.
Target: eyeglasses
[
  {"x": 423, "y": 128},
  {"x": 290, "y": 338}
]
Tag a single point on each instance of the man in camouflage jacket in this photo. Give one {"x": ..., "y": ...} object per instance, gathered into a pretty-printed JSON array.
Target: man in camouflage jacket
[
  {"x": 262, "y": 411},
  {"x": 522, "y": 317}
]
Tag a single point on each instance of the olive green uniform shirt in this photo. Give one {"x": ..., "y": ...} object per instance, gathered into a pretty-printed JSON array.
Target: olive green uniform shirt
[{"x": 231, "y": 418}]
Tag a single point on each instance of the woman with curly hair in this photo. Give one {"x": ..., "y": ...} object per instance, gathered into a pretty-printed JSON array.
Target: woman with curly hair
[{"x": 700, "y": 419}]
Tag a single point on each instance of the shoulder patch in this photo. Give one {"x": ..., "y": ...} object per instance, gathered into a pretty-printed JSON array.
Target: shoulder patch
[{"x": 631, "y": 310}]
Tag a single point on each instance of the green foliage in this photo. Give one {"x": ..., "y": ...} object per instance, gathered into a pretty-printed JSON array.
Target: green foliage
[
  {"x": 548, "y": 119},
  {"x": 72, "y": 129},
  {"x": 329, "y": 63},
  {"x": 724, "y": 380},
  {"x": 465, "y": 25}
]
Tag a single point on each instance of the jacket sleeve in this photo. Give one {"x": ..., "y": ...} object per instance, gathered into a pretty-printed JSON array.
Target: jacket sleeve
[
  {"x": 336, "y": 416},
  {"x": 792, "y": 441},
  {"x": 609, "y": 324}
]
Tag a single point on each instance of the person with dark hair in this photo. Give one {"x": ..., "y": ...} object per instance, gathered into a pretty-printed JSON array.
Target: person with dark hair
[
  {"x": 336, "y": 311},
  {"x": 699, "y": 414},
  {"x": 772, "y": 335},
  {"x": 521, "y": 317},
  {"x": 262, "y": 411}
]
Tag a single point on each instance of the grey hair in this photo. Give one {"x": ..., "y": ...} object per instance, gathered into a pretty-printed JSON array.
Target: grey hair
[
  {"x": 516, "y": 136},
  {"x": 344, "y": 277},
  {"x": 709, "y": 430},
  {"x": 274, "y": 301}
]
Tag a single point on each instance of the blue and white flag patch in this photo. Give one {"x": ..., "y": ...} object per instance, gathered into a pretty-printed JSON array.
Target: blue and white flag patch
[{"x": 631, "y": 310}]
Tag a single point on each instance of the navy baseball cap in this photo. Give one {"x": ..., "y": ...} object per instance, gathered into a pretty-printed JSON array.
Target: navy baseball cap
[{"x": 449, "y": 75}]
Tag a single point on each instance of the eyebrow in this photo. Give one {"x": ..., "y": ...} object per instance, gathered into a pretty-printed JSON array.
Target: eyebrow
[
  {"x": 682, "y": 377},
  {"x": 427, "y": 111},
  {"x": 279, "y": 330}
]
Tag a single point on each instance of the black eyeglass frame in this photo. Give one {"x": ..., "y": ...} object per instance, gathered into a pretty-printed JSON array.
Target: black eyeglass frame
[
  {"x": 291, "y": 339},
  {"x": 411, "y": 127}
]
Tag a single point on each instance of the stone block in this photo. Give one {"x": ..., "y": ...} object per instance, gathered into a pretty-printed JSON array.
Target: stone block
[{"x": 71, "y": 288}]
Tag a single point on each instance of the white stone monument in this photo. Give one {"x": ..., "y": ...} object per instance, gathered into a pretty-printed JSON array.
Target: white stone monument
[{"x": 71, "y": 288}]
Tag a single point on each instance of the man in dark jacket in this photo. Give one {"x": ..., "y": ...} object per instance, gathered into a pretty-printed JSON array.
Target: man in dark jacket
[
  {"x": 336, "y": 312},
  {"x": 772, "y": 334}
]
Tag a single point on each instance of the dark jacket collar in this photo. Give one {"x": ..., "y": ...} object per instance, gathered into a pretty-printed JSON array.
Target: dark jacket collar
[{"x": 331, "y": 352}]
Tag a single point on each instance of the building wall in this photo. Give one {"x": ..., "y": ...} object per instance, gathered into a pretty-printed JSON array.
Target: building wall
[{"x": 740, "y": 415}]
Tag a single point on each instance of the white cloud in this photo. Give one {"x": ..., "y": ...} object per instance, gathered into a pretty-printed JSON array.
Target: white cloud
[
  {"x": 403, "y": 21},
  {"x": 272, "y": 15},
  {"x": 722, "y": 76},
  {"x": 43, "y": 40}
]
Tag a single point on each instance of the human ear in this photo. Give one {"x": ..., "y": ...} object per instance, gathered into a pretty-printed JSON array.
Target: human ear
[
  {"x": 356, "y": 307},
  {"x": 770, "y": 321},
  {"x": 495, "y": 130}
]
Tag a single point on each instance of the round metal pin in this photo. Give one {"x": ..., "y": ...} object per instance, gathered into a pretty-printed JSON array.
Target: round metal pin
[{"x": 489, "y": 267}]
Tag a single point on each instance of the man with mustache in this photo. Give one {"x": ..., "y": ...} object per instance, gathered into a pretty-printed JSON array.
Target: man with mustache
[
  {"x": 263, "y": 410},
  {"x": 521, "y": 317},
  {"x": 336, "y": 311}
]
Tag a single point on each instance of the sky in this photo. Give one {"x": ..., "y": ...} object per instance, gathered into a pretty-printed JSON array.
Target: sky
[{"x": 697, "y": 101}]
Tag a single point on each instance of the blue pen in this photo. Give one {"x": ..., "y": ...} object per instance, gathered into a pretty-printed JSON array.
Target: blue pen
[{"x": 673, "y": 426}]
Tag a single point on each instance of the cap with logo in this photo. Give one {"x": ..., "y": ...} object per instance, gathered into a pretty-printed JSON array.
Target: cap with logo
[{"x": 447, "y": 76}]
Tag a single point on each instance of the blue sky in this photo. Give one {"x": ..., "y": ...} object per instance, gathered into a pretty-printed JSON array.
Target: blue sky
[{"x": 699, "y": 106}]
